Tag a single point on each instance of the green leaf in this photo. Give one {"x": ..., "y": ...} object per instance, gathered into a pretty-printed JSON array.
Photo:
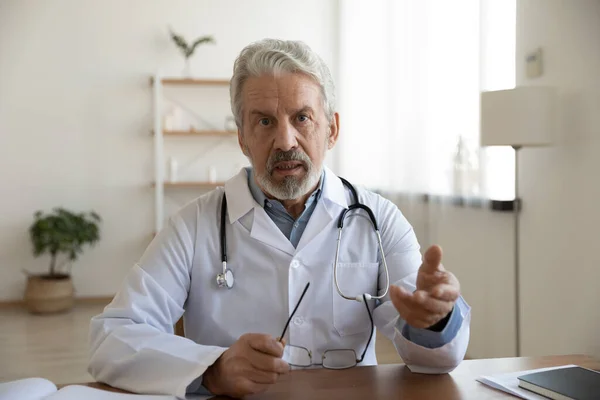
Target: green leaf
[
  {"x": 199, "y": 41},
  {"x": 63, "y": 231},
  {"x": 188, "y": 49},
  {"x": 180, "y": 42}
]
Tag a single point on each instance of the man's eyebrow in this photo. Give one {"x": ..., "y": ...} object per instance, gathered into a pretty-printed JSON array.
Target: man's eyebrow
[
  {"x": 306, "y": 109},
  {"x": 260, "y": 113}
]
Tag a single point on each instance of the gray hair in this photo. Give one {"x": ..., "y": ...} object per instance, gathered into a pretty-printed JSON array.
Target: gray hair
[{"x": 272, "y": 56}]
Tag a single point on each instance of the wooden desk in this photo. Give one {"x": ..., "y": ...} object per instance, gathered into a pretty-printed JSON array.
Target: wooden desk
[{"x": 396, "y": 381}]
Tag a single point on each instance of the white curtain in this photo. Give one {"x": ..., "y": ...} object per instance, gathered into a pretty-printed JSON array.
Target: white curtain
[{"x": 411, "y": 72}]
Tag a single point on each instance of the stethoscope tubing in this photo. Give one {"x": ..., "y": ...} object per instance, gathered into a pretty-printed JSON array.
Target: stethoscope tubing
[{"x": 223, "y": 282}]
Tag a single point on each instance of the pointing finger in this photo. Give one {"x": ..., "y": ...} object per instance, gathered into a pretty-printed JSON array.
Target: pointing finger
[
  {"x": 432, "y": 259},
  {"x": 436, "y": 278}
]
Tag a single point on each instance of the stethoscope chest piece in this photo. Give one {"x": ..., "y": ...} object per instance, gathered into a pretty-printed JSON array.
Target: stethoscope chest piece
[{"x": 225, "y": 280}]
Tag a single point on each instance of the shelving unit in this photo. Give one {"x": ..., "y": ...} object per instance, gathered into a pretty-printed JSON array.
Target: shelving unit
[
  {"x": 189, "y": 81},
  {"x": 203, "y": 132},
  {"x": 160, "y": 183},
  {"x": 191, "y": 184}
]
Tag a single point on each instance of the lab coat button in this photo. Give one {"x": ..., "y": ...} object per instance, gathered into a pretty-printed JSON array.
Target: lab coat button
[
  {"x": 298, "y": 320},
  {"x": 295, "y": 264}
]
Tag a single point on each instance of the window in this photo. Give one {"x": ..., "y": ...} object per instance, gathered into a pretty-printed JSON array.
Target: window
[
  {"x": 498, "y": 42},
  {"x": 411, "y": 73}
]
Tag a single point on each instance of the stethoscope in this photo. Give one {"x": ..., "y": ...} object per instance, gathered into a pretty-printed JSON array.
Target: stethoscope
[{"x": 226, "y": 279}]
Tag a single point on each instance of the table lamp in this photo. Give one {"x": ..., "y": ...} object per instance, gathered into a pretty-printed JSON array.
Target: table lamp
[{"x": 520, "y": 117}]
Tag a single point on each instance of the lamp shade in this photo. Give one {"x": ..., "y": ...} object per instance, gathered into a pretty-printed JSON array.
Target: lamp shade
[{"x": 523, "y": 116}]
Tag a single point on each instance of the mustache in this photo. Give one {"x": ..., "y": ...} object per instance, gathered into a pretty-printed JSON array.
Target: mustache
[{"x": 290, "y": 155}]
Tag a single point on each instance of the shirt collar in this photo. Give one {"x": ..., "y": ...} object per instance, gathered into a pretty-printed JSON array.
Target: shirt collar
[{"x": 240, "y": 199}]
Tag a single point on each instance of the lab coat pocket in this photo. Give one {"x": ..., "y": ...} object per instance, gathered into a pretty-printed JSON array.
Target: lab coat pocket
[{"x": 350, "y": 316}]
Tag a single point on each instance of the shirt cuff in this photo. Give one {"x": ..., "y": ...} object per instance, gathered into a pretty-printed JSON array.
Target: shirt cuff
[
  {"x": 431, "y": 339},
  {"x": 196, "y": 387}
]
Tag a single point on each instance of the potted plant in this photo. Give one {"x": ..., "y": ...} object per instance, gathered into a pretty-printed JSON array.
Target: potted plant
[
  {"x": 187, "y": 49},
  {"x": 62, "y": 234}
]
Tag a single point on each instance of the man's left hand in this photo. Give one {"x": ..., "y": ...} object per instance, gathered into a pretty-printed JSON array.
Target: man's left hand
[{"x": 437, "y": 291}]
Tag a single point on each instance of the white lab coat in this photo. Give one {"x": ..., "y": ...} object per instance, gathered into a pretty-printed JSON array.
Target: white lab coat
[{"x": 132, "y": 341}]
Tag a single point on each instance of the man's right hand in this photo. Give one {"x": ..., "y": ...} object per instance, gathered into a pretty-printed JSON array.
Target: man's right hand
[{"x": 249, "y": 366}]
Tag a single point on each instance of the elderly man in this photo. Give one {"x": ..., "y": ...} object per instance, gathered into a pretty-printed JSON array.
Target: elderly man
[{"x": 276, "y": 226}]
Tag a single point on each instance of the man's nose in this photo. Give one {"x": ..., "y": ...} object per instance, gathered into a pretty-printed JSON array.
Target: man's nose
[{"x": 286, "y": 137}]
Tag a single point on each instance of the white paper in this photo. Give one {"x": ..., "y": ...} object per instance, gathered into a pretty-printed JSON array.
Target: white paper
[
  {"x": 77, "y": 392},
  {"x": 26, "y": 389},
  {"x": 510, "y": 384}
]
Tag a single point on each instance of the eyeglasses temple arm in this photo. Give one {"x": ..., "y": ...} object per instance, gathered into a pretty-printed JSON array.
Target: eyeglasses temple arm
[
  {"x": 294, "y": 312},
  {"x": 372, "y": 328}
]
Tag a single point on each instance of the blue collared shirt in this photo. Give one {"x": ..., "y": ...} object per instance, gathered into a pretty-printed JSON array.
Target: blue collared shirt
[
  {"x": 293, "y": 229},
  {"x": 290, "y": 227}
]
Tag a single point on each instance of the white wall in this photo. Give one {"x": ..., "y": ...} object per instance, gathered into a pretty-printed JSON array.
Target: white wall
[
  {"x": 478, "y": 248},
  {"x": 76, "y": 109},
  {"x": 560, "y": 261},
  {"x": 560, "y": 186}
]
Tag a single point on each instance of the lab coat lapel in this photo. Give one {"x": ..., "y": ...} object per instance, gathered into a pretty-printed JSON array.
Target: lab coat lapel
[
  {"x": 240, "y": 202},
  {"x": 329, "y": 207},
  {"x": 239, "y": 198},
  {"x": 317, "y": 223},
  {"x": 265, "y": 230}
]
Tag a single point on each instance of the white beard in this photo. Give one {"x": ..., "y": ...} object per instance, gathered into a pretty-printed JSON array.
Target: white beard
[{"x": 291, "y": 187}]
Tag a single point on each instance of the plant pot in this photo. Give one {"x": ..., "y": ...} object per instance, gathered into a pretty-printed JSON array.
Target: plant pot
[{"x": 47, "y": 294}]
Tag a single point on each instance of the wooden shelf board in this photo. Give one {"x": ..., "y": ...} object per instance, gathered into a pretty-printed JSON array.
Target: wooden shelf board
[
  {"x": 190, "y": 184},
  {"x": 202, "y": 132},
  {"x": 192, "y": 81}
]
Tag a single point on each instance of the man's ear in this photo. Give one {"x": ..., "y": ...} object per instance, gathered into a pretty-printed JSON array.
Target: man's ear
[{"x": 334, "y": 131}]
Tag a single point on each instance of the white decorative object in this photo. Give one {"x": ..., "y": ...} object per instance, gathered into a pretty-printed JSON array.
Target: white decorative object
[
  {"x": 465, "y": 172},
  {"x": 177, "y": 114},
  {"x": 212, "y": 174},
  {"x": 460, "y": 168},
  {"x": 173, "y": 169},
  {"x": 230, "y": 123},
  {"x": 520, "y": 117},
  {"x": 169, "y": 120}
]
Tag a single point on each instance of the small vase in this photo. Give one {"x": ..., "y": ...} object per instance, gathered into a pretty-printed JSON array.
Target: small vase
[{"x": 187, "y": 70}]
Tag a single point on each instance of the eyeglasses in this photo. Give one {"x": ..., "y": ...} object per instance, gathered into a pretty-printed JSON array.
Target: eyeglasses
[{"x": 299, "y": 356}]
